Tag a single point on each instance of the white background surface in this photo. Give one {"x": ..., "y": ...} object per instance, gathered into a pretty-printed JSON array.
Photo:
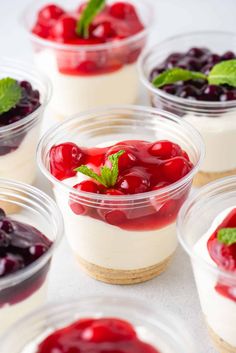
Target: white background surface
[{"x": 174, "y": 290}]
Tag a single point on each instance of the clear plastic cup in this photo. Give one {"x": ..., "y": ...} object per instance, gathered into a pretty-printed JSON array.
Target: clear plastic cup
[
  {"x": 209, "y": 118},
  {"x": 195, "y": 220},
  {"x": 141, "y": 246},
  {"x": 26, "y": 289},
  {"x": 18, "y": 140},
  {"x": 165, "y": 332},
  {"x": 112, "y": 76}
]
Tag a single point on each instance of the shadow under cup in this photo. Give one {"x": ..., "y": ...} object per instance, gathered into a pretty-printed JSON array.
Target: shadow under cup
[
  {"x": 216, "y": 287},
  {"x": 110, "y": 247},
  {"x": 26, "y": 289}
]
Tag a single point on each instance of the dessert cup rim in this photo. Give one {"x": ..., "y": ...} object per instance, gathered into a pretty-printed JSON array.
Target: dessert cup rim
[
  {"x": 89, "y": 47},
  {"x": 208, "y": 188},
  {"x": 167, "y": 322},
  {"x": 174, "y": 187},
  {"x": 23, "y": 274},
  {"x": 35, "y": 74},
  {"x": 188, "y": 103}
]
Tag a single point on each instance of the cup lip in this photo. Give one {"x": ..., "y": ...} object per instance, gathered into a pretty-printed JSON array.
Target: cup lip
[
  {"x": 168, "y": 322},
  {"x": 23, "y": 274},
  {"x": 35, "y": 74},
  {"x": 134, "y": 197},
  {"x": 170, "y": 97},
  {"x": 179, "y": 222},
  {"x": 86, "y": 47}
]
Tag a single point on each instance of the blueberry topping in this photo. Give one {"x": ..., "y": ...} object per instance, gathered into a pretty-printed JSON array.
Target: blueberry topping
[
  {"x": 200, "y": 60},
  {"x": 20, "y": 245}
]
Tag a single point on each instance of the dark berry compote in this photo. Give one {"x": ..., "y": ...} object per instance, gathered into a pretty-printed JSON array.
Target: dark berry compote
[
  {"x": 198, "y": 60},
  {"x": 28, "y": 102},
  {"x": 111, "y": 24},
  {"x": 89, "y": 335},
  {"x": 224, "y": 255},
  {"x": 126, "y": 168},
  {"x": 20, "y": 246}
]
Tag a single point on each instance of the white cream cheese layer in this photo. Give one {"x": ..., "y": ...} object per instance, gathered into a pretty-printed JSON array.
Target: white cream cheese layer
[
  {"x": 20, "y": 164},
  {"x": 219, "y": 135},
  {"x": 73, "y": 94},
  {"x": 220, "y": 312},
  {"x": 110, "y": 246}
]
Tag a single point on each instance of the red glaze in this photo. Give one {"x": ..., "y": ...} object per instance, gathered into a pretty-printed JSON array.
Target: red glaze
[
  {"x": 117, "y": 21},
  {"x": 106, "y": 335},
  {"x": 142, "y": 168},
  {"x": 224, "y": 256}
]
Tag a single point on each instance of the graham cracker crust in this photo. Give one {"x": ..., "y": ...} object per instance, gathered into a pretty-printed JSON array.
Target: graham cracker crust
[
  {"x": 203, "y": 178},
  {"x": 9, "y": 207},
  {"x": 123, "y": 276},
  {"x": 219, "y": 343}
]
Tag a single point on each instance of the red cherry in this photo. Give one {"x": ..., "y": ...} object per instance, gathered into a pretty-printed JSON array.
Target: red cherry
[
  {"x": 88, "y": 67},
  {"x": 126, "y": 160},
  {"x": 64, "y": 158},
  {"x": 133, "y": 183},
  {"x": 122, "y": 10},
  {"x": 175, "y": 169},
  {"x": 85, "y": 186},
  {"x": 165, "y": 149},
  {"x": 49, "y": 13},
  {"x": 64, "y": 29},
  {"x": 41, "y": 31},
  {"x": 104, "y": 30},
  {"x": 88, "y": 186},
  {"x": 109, "y": 330}
]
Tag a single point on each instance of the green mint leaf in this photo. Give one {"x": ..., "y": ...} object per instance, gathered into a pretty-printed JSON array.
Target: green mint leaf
[
  {"x": 114, "y": 159},
  {"x": 90, "y": 173},
  {"x": 227, "y": 236},
  {"x": 91, "y": 10},
  {"x": 10, "y": 94},
  {"x": 223, "y": 73},
  {"x": 176, "y": 74},
  {"x": 108, "y": 177}
]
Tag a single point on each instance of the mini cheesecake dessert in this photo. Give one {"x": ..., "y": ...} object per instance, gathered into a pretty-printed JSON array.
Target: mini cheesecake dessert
[
  {"x": 89, "y": 51},
  {"x": 27, "y": 241},
  {"x": 194, "y": 77},
  {"x": 212, "y": 246},
  {"x": 24, "y": 95},
  {"x": 98, "y": 324},
  {"x": 120, "y": 197}
]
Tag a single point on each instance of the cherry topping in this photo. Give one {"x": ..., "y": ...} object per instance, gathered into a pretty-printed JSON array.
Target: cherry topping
[
  {"x": 104, "y": 30},
  {"x": 122, "y": 10},
  {"x": 108, "y": 335},
  {"x": 64, "y": 158}
]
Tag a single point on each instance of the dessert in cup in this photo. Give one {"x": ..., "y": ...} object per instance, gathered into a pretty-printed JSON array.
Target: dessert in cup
[
  {"x": 207, "y": 231},
  {"x": 99, "y": 324},
  {"x": 119, "y": 176},
  {"x": 24, "y": 94},
  {"x": 28, "y": 238},
  {"x": 194, "y": 76},
  {"x": 89, "y": 50}
]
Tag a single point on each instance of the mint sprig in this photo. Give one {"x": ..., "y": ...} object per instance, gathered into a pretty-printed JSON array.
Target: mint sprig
[
  {"x": 10, "y": 94},
  {"x": 176, "y": 74},
  {"x": 91, "y": 10},
  {"x": 221, "y": 73},
  {"x": 108, "y": 176},
  {"x": 227, "y": 236}
]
